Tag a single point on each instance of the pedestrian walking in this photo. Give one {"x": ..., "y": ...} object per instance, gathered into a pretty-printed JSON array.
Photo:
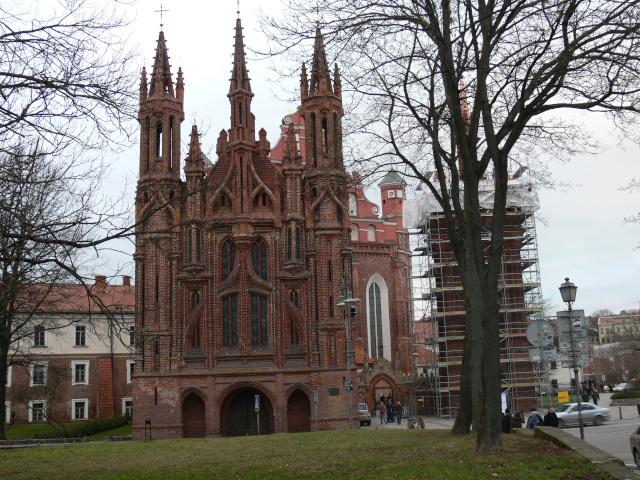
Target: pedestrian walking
[
  {"x": 551, "y": 419},
  {"x": 595, "y": 396},
  {"x": 535, "y": 420},
  {"x": 506, "y": 421},
  {"x": 399, "y": 411},
  {"x": 383, "y": 413}
]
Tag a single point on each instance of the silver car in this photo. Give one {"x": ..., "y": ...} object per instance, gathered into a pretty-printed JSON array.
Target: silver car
[
  {"x": 593, "y": 414},
  {"x": 365, "y": 416}
]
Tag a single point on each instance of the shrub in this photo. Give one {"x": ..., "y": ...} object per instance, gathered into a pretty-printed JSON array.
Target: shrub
[
  {"x": 625, "y": 394},
  {"x": 86, "y": 429}
]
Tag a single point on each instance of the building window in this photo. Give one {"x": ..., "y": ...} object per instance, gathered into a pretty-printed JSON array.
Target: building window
[
  {"x": 371, "y": 233},
  {"x": 8, "y": 380},
  {"x": 81, "y": 336},
  {"x": 80, "y": 409},
  {"x": 298, "y": 243},
  {"x": 130, "y": 370},
  {"x": 294, "y": 333},
  {"x": 7, "y": 413},
  {"x": 355, "y": 233},
  {"x": 258, "y": 320},
  {"x": 38, "y": 374},
  {"x": 132, "y": 335},
  {"x": 80, "y": 372},
  {"x": 127, "y": 406},
  {"x": 198, "y": 246},
  {"x": 228, "y": 258},
  {"x": 259, "y": 258},
  {"x": 289, "y": 243},
  {"x": 39, "y": 337},
  {"x": 353, "y": 207},
  {"x": 37, "y": 410},
  {"x": 375, "y": 321},
  {"x": 230, "y": 321}
]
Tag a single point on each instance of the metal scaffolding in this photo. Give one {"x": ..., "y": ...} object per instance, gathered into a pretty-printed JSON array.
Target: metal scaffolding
[{"x": 438, "y": 314}]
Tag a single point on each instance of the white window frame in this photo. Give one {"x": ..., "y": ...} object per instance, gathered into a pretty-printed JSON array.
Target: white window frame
[
  {"x": 124, "y": 404},
  {"x": 44, "y": 337},
  {"x": 7, "y": 412},
  {"x": 9, "y": 370},
  {"x": 84, "y": 338},
  {"x": 129, "y": 363},
  {"x": 76, "y": 401},
  {"x": 384, "y": 319},
  {"x": 31, "y": 368},
  {"x": 86, "y": 372},
  {"x": 44, "y": 410}
]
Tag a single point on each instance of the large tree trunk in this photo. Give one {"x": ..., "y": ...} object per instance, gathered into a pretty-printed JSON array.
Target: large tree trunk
[{"x": 3, "y": 388}]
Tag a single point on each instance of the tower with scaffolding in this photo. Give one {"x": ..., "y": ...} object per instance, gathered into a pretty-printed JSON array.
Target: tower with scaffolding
[{"x": 438, "y": 316}]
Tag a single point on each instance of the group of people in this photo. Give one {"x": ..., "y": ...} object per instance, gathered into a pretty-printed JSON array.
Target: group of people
[
  {"x": 389, "y": 412},
  {"x": 593, "y": 393},
  {"x": 516, "y": 420}
]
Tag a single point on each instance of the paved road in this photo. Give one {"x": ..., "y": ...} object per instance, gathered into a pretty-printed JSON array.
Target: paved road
[{"x": 612, "y": 436}]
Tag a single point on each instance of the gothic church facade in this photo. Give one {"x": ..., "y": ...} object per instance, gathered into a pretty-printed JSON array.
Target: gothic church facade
[{"x": 239, "y": 268}]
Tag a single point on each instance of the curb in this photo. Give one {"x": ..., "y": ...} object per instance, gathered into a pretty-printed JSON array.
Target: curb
[{"x": 613, "y": 466}]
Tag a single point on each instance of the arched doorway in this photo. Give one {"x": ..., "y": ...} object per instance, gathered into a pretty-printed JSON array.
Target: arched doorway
[
  {"x": 239, "y": 417},
  {"x": 194, "y": 423},
  {"x": 298, "y": 412}
]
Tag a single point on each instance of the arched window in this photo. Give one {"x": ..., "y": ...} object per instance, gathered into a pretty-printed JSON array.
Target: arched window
[
  {"x": 230, "y": 321},
  {"x": 195, "y": 300},
  {"x": 258, "y": 320},
  {"x": 196, "y": 335},
  {"x": 298, "y": 244},
  {"x": 295, "y": 340},
  {"x": 189, "y": 246},
  {"x": 289, "y": 241},
  {"x": 353, "y": 205},
  {"x": 355, "y": 232},
  {"x": 198, "y": 246},
  {"x": 375, "y": 321},
  {"x": 378, "y": 324},
  {"x": 371, "y": 233},
  {"x": 228, "y": 258},
  {"x": 159, "y": 140},
  {"x": 259, "y": 258}
]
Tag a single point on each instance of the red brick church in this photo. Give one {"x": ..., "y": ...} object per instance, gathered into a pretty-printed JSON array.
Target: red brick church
[{"x": 239, "y": 268}]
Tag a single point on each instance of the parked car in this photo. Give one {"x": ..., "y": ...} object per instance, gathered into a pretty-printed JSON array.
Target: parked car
[
  {"x": 593, "y": 414},
  {"x": 365, "y": 415},
  {"x": 634, "y": 443},
  {"x": 622, "y": 386}
]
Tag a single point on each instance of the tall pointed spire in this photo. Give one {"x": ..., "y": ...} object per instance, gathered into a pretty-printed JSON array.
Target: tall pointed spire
[
  {"x": 239, "y": 74},
  {"x": 320, "y": 78},
  {"x": 161, "y": 75},
  {"x": 242, "y": 120}
]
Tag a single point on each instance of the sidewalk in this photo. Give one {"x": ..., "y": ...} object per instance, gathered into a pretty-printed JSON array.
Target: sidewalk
[{"x": 429, "y": 423}]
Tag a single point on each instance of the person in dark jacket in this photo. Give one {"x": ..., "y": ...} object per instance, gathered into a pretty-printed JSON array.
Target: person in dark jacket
[
  {"x": 551, "y": 419},
  {"x": 506, "y": 421}
]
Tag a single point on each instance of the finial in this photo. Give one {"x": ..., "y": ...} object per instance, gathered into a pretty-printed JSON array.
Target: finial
[
  {"x": 161, "y": 11},
  {"x": 238, "y": 11}
]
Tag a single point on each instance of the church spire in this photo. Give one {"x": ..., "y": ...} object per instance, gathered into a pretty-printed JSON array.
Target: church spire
[
  {"x": 161, "y": 75},
  {"x": 320, "y": 78},
  {"x": 239, "y": 74},
  {"x": 242, "y": 120}
]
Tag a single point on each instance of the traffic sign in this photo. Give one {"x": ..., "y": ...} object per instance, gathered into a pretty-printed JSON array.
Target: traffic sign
[
  {"x": 540, "y": 333},
  {"x": 257, "y": 402}
]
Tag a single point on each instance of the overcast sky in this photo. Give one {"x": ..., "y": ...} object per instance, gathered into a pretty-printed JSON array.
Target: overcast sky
[{"x": 583, "y": 235}]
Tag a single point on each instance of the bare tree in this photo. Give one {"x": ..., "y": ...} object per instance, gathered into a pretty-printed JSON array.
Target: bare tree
[
  {"x": 525, "y": 63},
  {"x": 48, "y": 395},
  {"x": 66, "y": 78}
]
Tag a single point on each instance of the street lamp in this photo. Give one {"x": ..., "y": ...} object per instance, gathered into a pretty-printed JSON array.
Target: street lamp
[
  {"x": 347, "y": 303},
  {"x": 568, "y": 292}
]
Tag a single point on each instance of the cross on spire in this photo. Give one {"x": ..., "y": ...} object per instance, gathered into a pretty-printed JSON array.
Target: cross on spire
[
  {"x": 238, "y": 11},
  {"x": 161, "y": 11}
]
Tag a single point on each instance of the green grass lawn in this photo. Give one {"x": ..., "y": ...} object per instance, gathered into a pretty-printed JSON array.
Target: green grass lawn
[{"x": 370, "y": 454}]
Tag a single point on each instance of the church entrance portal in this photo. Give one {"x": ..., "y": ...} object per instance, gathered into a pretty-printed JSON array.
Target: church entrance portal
[
  {"x": 239, "y": 417},
  {"x": 193, "y": 417},
  {"x": 298, "y": 412}
]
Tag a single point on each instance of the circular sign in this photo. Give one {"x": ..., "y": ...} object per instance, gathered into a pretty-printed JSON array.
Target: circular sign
[{"x": 540, "y": 333}]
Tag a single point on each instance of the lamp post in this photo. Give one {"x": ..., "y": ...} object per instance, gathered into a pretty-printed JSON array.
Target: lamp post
[
  {"x": 347, "y": 304},
  {"x": 568, "y": 291}
]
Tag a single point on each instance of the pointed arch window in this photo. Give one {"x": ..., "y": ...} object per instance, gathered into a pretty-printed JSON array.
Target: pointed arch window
[
  {"x": 230, "y": 321},
  {"x": 259, "y": 258},
  {"x": 258, "y": 320},
  {"x": 298, "y": 244},
  {"x": 355, "y": 233},
  {"x": 289, "y": 242},
  {"x": 228, "y": 258},
  {"x": 198, "y": 245},
  {"x": 159, "y": 139},
  {"x": 375, "y": 321}
]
